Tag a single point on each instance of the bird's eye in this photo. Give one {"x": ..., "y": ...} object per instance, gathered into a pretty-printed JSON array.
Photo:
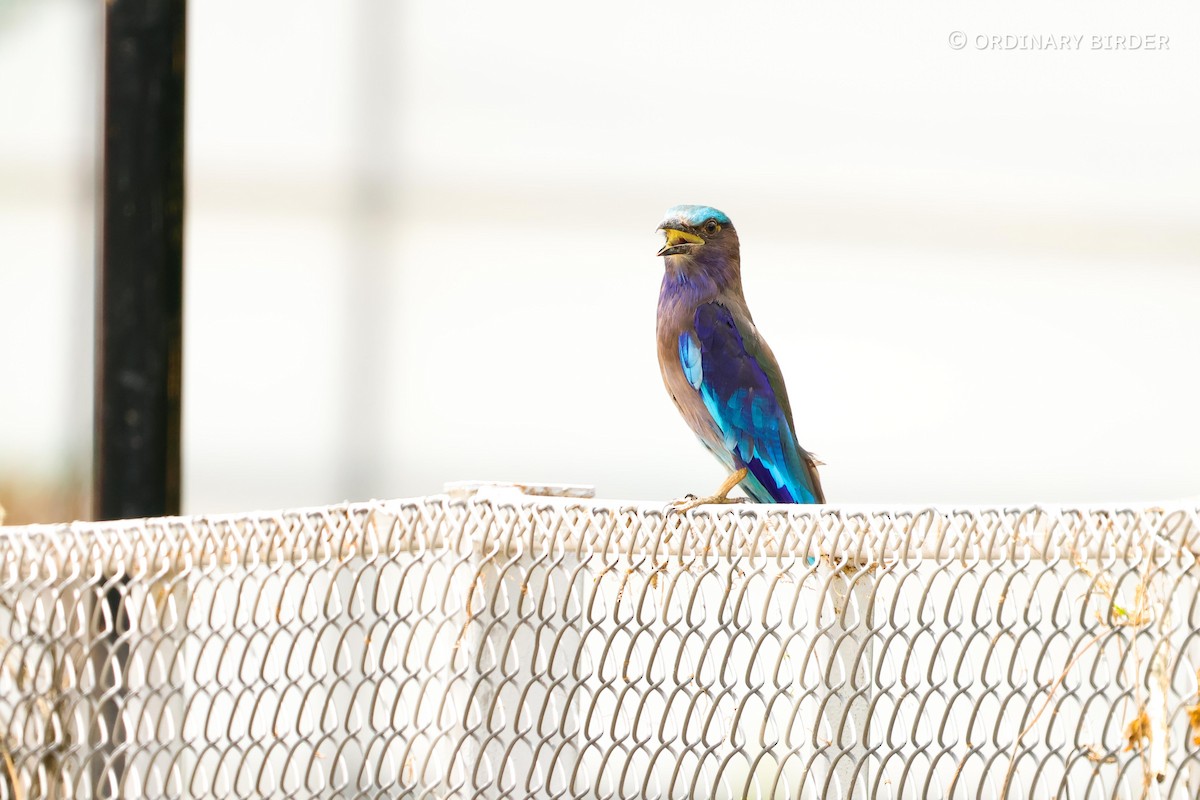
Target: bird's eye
[{"x": 711, "y": 227}]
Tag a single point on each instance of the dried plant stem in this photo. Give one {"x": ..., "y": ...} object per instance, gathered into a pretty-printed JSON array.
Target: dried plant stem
[
  {"x": 1016, "y": 746},
  {"x": 10, "y": 768}
]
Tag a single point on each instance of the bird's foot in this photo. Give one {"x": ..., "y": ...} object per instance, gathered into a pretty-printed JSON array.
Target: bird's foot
[{"x": 688, "y": 502}]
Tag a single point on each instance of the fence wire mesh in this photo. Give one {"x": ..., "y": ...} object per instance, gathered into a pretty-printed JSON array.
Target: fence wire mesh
[{"x": 513, "y": 647}]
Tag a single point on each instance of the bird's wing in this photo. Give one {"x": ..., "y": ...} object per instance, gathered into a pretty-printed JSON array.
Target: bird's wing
[{"x": 740, "y": 384}]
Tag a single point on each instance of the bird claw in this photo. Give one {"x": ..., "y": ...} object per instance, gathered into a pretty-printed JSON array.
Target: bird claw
[{"x": 690, "y": 501}]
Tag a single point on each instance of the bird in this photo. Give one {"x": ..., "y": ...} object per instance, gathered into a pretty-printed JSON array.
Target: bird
[{"x": 718, "y": 369}]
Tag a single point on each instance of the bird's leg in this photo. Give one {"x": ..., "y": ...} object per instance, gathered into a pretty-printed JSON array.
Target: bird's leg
[{"x": 721, "y": 497}]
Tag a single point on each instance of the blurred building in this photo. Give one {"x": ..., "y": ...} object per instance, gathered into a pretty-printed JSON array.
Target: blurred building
[{"x": 420, "y": 245}]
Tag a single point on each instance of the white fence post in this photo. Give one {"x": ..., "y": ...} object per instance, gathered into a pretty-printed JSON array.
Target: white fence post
[
  {"x": 510, "y": 641},
  {"x": 848, "y": 672}
]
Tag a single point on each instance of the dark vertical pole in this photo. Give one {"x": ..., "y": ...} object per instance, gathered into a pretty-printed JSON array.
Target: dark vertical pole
[
  {"x": 140, "y": 287},
  {"x": 140, "y": 313}
]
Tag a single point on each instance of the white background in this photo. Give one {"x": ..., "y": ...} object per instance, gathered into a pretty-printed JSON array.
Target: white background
[{"x": 420, "y": 243}]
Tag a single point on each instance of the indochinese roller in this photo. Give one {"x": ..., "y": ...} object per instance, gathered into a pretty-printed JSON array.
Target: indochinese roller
[{"x": 718, "y": 369}]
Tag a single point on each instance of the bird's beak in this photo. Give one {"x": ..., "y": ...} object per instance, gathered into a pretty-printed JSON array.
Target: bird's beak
[{"x": 678, "y": 242}]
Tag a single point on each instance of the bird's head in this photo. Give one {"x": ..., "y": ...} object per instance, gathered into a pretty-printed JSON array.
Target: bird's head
[{"x": 698, "y": 232}]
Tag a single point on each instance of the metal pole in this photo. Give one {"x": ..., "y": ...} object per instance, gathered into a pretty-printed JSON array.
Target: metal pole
[
  {"x": 140, "y": 286},
  {"x": 139, "y": 314}
]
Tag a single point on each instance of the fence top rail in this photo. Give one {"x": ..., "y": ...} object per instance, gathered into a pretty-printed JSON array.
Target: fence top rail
[{"x": 505, "y": 523}]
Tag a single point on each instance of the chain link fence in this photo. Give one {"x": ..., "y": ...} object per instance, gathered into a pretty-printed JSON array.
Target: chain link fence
[{"x": 504, "y": 646}]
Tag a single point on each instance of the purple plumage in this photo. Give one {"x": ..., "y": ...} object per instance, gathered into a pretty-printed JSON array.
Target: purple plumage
[{"x": 721, "y": 374}]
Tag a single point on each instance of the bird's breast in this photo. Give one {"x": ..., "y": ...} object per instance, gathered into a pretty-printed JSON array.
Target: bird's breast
[{"x": 687, "y": 399}]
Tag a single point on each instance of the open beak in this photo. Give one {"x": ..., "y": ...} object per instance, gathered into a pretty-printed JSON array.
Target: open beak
[{"x": 679, "y": 242}]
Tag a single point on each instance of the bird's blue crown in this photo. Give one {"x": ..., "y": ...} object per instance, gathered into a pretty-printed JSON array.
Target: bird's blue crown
[{"x": 695, "y": 215}]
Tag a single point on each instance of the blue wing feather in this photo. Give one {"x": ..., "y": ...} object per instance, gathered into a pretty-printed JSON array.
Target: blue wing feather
[
  {"x": 689, "y": 356},
  {"x": 755, "y": 428}
]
